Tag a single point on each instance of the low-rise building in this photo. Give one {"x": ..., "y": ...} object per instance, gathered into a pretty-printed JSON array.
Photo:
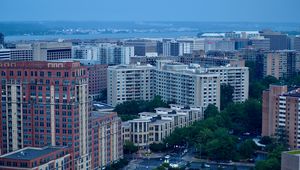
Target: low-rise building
[
  {"x": 290, "y": 160},
  {"x": 31, "y": 158},
  {"x": 155, "y": 127}
]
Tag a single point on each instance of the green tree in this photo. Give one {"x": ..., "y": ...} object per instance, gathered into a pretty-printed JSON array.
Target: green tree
[
  {"x": 282, "y": 136},
  {"x": 157, "y": 147},
  {"x": 178, "y": 137},
  {"x": 135, "y": 107},
  {"x": 256, "y": 87},
  {"x": 118, "y": 165},
  {"x": 247, "y": 149},
  {"x": 273, "y": 160},
  {"x": 269, "y": 80},
  {"x": 271, "y": 163},
  {"x": 266, "y": 140},
  {"x": 237, "y": 117},
  {"x": 226, "y": 95},
  {"x": 253, "y": 121},
  {"x": 129, "y": 148},
  {"x": 222, "y": 146},
  {"x": 211, "y": 111},
  {"x": 103, "y": 95}
]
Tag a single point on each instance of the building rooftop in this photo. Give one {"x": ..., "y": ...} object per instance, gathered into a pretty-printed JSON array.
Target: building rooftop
[
  {"x": 30, "y": 153},
  {"x": 131, "y": 67},
  {"x": 293, "y": 93},
  {"x": 102, "y": 106},
  {"x": 294, "y": 152}
]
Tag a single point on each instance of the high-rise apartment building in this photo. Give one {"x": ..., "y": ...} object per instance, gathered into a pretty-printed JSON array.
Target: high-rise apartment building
[
  {"x": 280, "y": 114},
  {"x": 129, "y": 82},
  {"x": 236, "y": 77},
  {"x": 45, "y": 103},
  {"x": 175, "y": 82},
  {"x": 107, "y": 145},
  {"x": 281, "y": 64}
]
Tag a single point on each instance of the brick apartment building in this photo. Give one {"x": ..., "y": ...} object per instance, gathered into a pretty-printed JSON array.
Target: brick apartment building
[
  {"x": 45, "y": 104},
  {"x": 280, "y": 114}
]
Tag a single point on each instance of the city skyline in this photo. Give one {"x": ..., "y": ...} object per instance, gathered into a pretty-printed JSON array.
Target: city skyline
[{"x": 175, "y": 10}]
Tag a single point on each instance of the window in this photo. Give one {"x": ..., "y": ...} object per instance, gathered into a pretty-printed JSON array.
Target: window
[{"x": 58, "y": 74}]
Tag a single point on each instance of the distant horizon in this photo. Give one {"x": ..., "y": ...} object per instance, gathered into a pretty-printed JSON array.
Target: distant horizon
[
  {"x": 253, "y": 11},
  {"x": 178, "y": 21}
]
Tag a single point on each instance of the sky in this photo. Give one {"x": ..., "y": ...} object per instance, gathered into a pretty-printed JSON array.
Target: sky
[{"x": 151, "y": 10}]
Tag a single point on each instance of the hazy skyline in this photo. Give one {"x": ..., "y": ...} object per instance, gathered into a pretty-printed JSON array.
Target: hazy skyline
[{"x": 151, "y": 10}]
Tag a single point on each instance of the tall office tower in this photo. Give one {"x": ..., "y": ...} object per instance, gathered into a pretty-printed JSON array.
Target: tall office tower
[
  {"x": 190, "y": 45},
  {"x": 177, "y": 83},
  {"x": 107, "y": 145},
  {"x": 45, "y": 103},
  {"x": 237, "y": 77},
  {"x": 1, "y": 39},
  {"x": 242, "y": 34},
  {"x": 280, "y": 114},
  {"x": 113, "y": 54},
  {"x": 219, "y": 44},
  {"x": 241, "y": 43},
  {"x": 143, "y": 47},
  {"x": 88, "y": 52},
  {"x": 278, "y": 41},
  {"x": 281, "y": 64},
  {"x": 5, "y": 54},
  {"x": 296, "y": 43},
  {"x": 45, "y": 51},
  {"x": 129, "y": 82},
  {"x": 260, "y": 43},
  {"x": 168, "y": 47}
]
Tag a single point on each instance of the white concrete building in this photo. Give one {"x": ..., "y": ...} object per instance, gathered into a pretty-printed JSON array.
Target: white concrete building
[
  {"x": 129, "y": 82},
  {"x": 106, "y": 53},
  {"x": 155, "y": 127},
  {"x": 177, "y": 83},
  {"x": 182, "y": 84},
  {"x": 237, "y": 77}
]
